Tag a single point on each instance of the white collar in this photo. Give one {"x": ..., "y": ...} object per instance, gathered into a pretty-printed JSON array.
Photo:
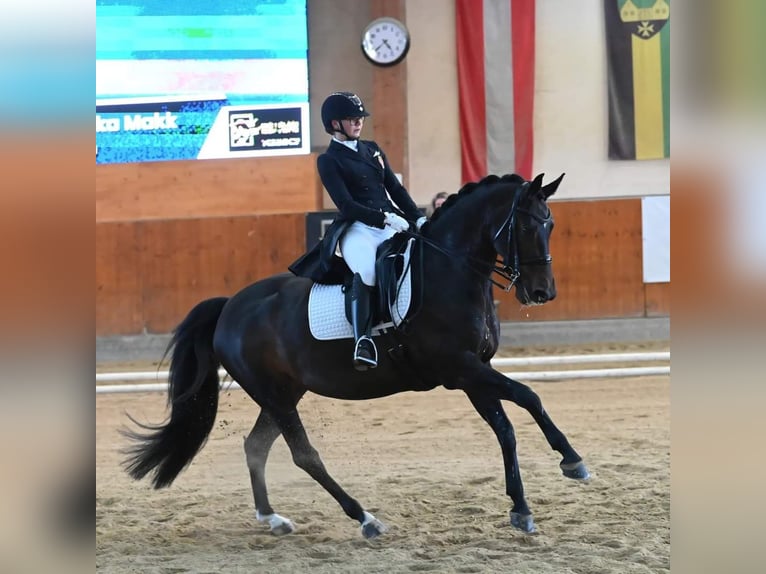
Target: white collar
[{"x": 350, "y": 144}]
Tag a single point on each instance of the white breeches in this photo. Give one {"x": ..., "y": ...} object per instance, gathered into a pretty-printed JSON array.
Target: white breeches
[{"x": 358, "y": 247}]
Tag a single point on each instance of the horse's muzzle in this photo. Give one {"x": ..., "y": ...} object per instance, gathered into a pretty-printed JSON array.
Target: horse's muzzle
[
  {"x": 538, "y": 295},
  {"x": 541, "y": 296}
]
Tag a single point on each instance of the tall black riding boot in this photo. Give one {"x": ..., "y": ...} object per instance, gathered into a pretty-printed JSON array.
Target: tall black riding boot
[{"x": 365, "y": 353}]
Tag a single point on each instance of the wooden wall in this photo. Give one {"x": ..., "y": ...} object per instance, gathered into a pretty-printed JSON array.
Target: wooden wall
[
  {"x": 169, "y": 234},
  {"x": 150, "y": 273},
  {"x": 389, "y": 101},
  {"x": 597, "y": 262},
  {"x": 209, "y": 188}
]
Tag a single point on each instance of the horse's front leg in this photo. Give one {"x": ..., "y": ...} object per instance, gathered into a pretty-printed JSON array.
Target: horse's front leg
[
  {"x": 484, "y": 380},
  {"x": 572, "y": 465},
  {"x": 491, "y": 410}
]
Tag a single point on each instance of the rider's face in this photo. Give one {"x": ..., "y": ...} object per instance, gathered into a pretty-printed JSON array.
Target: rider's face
[{"x": 353, "y": 126}]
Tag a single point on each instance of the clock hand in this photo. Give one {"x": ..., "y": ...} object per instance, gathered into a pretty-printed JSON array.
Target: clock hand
[{"x": 387, "y": 44}]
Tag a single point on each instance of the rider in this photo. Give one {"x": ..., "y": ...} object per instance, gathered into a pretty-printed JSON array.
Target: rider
[{"x": 357, "y": 176}]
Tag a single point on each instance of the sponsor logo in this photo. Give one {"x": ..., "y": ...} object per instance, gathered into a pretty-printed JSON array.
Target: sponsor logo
[{"x": 265, "y": 129}]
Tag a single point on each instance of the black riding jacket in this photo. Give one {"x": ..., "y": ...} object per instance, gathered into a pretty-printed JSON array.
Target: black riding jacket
[{"x": 357, "y": 182}]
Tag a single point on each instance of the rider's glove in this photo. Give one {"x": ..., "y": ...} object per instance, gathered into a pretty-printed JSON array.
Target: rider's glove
[
  {"x": 421, "y": 220},
  {"x": 396, "y": 222}
]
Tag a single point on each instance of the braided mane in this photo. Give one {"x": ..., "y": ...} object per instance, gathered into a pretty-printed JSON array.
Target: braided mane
[{"x": 469, "y": 187}]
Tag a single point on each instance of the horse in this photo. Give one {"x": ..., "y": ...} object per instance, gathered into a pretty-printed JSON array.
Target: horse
[{"x": 500, "y": 225}]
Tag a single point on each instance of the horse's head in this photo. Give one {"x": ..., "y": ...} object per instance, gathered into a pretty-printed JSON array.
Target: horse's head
[{"x": 522, "y": 240}]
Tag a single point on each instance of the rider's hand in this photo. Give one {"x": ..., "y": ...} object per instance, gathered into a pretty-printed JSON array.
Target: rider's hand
[
  {"x": 396, "y": 222},
  {"x": 421, "y": 220}
]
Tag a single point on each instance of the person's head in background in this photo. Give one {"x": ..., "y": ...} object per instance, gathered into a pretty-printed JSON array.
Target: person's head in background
[{"x": 437, "y": 201}]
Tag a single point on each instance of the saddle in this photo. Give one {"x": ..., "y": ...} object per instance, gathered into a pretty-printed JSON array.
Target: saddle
[
  {"x": 389, "y": 272},
  {"x": 329, "y": 305}
]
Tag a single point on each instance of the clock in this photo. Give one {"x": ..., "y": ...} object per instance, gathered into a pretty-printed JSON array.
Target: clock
[{"x": 385, "y": 41}]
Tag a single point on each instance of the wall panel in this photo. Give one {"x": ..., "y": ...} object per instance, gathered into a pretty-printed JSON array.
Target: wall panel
[
  {"x": 389, "y": 97},
  {"x": 150, "y": 274},
  {"x": 596, "y": 249},
  {"x": 657, "y": 299},
  {"x": 118, "y": 279},
  {"x": 209, "y": 188}
]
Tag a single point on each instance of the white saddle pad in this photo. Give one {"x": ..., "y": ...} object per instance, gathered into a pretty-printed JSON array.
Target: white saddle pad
[{"x": 327, "y": 311}]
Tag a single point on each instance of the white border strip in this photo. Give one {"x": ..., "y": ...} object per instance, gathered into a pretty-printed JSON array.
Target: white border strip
[
  {"x": 149, "y": 387},
  {"x": 588, "y": 373},
  {"x": 522, "y": 376},
  {"x": 578, "y": 359},
  {"x": 498, "y": 362},
  {"x": 141, "y": 376}
]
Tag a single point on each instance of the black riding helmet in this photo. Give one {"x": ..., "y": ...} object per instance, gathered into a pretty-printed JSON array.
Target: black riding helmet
[{"x": 339, "y": 106}]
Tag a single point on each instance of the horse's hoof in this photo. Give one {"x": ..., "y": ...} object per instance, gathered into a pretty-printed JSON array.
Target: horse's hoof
[
  {"x": 278, "y": 525},
  {"x": 372, "y": 527},
  {"x": 523, "y": 522},
  {"x": 575, "y": 470},
  {"x": 286, "y": 527}
]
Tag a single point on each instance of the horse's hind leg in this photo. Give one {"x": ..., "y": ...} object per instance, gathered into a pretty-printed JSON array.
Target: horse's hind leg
[
  {"x": 257, "y": 446},
  {"x": 307, "y": 458},
  {"x": 491, "y": 410}
]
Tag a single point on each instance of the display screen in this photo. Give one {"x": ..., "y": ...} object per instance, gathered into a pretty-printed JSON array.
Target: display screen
[{"x": 197, "y": 79}]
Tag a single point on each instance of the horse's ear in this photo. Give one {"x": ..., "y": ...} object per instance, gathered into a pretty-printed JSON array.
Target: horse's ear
[
  {"x": 535, "y": 185},
  {"x": 551, "y": 188}
]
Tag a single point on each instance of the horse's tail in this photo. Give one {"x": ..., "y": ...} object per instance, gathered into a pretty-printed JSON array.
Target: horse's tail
[{"x": 192, "y": 396}]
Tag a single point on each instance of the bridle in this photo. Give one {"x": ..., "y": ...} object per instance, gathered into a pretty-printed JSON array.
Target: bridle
[{"x": 510, "y": 271}]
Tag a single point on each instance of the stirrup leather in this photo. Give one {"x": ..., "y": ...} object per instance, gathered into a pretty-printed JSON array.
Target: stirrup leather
[{"x": 362, "y": 361}]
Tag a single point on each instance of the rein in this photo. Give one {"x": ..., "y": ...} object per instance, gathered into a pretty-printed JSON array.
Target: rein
[{"x": 502, "y": 271}]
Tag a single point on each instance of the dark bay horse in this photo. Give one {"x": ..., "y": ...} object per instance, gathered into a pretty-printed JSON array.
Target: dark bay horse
[{"x": 261, "y": 336}]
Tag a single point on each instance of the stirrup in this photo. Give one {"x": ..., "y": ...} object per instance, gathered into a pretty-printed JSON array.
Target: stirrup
[{"x": 365, "y": 354}]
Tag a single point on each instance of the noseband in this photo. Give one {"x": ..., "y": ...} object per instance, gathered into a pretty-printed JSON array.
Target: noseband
[{"x": 512, "y": 271}]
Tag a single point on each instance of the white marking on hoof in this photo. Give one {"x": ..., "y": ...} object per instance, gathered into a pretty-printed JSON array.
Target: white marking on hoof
[
  {"x": 372, "y": 527},
  {"x": 279, "y": 525}
]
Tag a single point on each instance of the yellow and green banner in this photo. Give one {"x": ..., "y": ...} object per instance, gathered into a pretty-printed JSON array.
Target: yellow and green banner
[{"x": 638, "y": 62}]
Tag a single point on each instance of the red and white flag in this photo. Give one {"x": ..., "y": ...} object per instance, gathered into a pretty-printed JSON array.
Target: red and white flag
[{"x": 496, "y": 81}]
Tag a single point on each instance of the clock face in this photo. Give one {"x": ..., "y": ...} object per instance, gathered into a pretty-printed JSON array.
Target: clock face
[{"x": 385, "y": 41}]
